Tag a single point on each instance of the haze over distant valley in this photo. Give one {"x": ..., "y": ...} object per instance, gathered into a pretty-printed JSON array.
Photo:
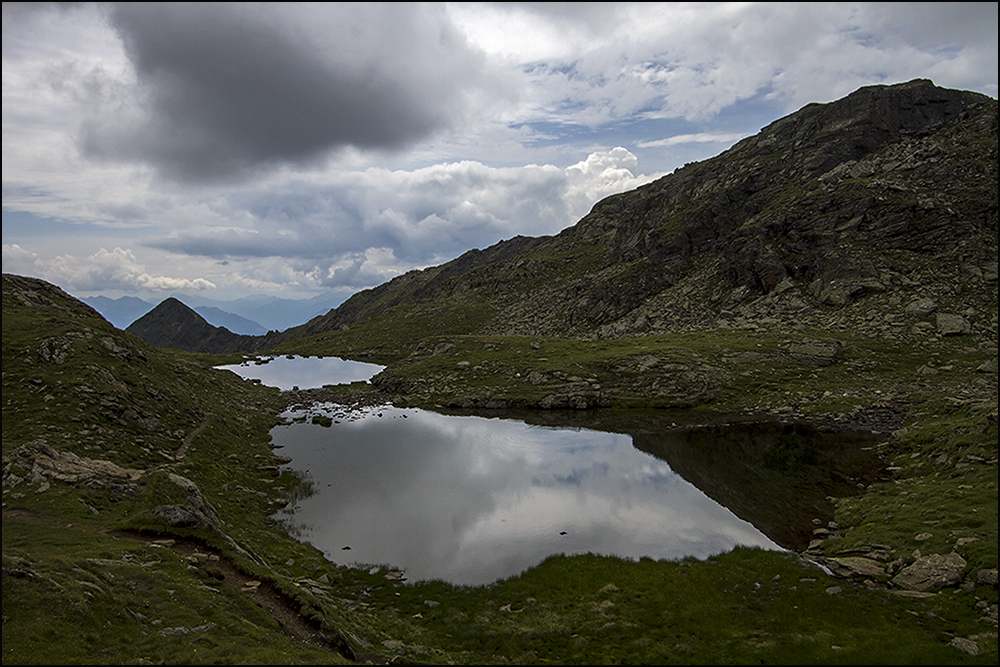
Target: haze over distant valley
[{"x": 250, "y": 316}]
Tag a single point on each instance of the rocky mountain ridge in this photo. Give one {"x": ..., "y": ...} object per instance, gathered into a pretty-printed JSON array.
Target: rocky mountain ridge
[{"x": 876, "y": 213}]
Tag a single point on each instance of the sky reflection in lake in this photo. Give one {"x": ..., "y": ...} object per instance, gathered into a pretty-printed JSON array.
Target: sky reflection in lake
[
  {"x": 469, "y": 499},
  {"x": 304, "y": 372}
]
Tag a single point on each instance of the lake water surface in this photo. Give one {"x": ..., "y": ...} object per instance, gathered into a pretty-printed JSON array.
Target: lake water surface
[
  {"x": 303, "y": 372},
  {"x": 469, "y": 498}
]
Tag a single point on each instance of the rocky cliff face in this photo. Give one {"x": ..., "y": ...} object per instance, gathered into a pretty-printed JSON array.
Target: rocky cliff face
[
  {"x": 887, "y": 190},
  {"x": 843, "y": 215}
]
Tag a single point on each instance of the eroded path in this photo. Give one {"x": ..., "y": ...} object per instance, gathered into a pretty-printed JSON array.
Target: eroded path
[{"x": 189, "y": 438}]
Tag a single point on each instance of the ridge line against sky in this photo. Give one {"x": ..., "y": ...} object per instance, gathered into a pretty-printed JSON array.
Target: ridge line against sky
[{"x": 294, "y": 149}]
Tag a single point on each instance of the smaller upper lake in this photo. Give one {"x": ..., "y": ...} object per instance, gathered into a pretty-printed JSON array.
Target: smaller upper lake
[{"x": 288, "y": 373}]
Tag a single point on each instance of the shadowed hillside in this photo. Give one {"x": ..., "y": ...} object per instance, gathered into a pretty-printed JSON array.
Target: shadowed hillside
[{"x": 852, "y": 216}]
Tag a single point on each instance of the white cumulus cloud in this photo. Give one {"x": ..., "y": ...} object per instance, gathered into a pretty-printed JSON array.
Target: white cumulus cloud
[
  {"x": 104, "y": 270},
  {"x": 359, "y": 228}
]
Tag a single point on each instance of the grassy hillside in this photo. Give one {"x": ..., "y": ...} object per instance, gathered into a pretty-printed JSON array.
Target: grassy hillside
[{"x": 166, "y": 552}]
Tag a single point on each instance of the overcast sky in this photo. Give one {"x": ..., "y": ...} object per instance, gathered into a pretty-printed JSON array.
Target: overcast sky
[{"x": 231, "y": 149}]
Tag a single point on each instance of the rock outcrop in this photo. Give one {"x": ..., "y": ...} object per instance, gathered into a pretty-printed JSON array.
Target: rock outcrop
[{"x": 39, "y": 464}]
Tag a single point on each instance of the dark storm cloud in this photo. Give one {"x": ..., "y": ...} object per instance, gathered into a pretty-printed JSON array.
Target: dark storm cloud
[{"x": 227, "y": 88}]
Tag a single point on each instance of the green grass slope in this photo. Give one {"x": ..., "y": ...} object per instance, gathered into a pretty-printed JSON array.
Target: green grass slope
[{"x": 139, "y": 486}]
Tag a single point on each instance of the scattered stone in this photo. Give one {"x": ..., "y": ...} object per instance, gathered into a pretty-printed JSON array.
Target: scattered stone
[
  {"x": 856, "y": 566},
  {"x": 106, "y": 562},
  {"x": 949, "y": 324},
  {"x": 181, "y": 631},
  {"x": 931, "y": 573},
  {"x": 53, "y": 351},
  {"x": 395, "y": 645},
  {"x": 90, "y": 584},
  {"x": 534, "y": 377},
  {"x": 41, "y": 463},
  {"x": 180, "y": 517},
  {"x": 441, "y": 348},
  {"x": 879, "y": 552},
  {"x": 815, "y": 546},
  {"x": 965, "y": 645},
  {"x": 987, "y": 366},
  {"x": 921, "y": 308},
  {"x": 987, "y": 577},
  {"x": 991, "y": 613},
  {"x": 196, "y": 500}
]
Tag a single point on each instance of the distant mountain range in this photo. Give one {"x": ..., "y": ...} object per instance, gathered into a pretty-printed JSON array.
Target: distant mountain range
[
  {"x": 120, "y": 312},
  {"x": 251, "y": 316}
]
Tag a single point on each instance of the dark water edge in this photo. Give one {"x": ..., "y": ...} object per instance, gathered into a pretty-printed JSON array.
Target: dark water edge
[{"x": 779, "y": 476}]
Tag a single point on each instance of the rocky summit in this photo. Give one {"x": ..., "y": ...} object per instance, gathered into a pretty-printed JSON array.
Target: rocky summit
[
  {"x": 174, "y": 325},
  {"x": 875, "y": 214}
]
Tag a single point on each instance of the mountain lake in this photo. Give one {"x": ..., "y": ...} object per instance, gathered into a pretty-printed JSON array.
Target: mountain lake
[
  {"x": 472, "y": 498},
  {"x": 287, "y": 373}
]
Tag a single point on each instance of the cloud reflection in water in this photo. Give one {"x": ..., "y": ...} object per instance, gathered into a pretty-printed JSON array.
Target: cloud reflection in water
[{"x": 471, "y": 499}]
